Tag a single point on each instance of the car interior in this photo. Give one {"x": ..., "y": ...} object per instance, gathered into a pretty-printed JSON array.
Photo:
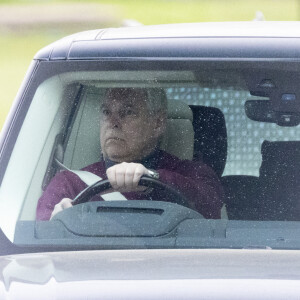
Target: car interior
[{"x": 217, "y": 124}]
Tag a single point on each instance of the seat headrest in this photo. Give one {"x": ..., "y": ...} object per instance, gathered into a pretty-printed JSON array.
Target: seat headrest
[
  {"x": 283, "y": 156},
  {"x": 179, "y": 110},
  {"x": 178, "y": 138}
]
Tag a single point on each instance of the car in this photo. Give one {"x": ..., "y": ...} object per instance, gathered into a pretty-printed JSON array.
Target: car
[{"x": 233, "y": 106}]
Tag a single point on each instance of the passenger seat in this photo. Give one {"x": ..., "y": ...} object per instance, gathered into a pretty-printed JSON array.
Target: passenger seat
[{"x": 279, "y": 181}]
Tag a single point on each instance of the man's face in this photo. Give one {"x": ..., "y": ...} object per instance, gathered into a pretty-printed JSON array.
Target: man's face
[{"x": 128, "y": 132}]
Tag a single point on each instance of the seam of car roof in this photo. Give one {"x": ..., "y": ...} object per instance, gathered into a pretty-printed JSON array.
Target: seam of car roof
[
  {"x": 179, "y": 37},
  {"x": 99, "y": 37},
  {"x": 100, "y": 34},
  {"x": 186, "y": 37},
  {"x": 51, "y": 52},
  {"x": 180, "y": 58}
]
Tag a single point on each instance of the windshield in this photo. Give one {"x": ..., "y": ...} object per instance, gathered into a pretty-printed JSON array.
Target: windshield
[{"x": 130, "y": 156}]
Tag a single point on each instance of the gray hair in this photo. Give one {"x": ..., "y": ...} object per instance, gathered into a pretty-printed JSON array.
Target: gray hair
[{"x": 156, "y": 98}]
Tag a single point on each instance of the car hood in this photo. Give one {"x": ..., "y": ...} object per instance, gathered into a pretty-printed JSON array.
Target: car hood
[{"x": 173, "y": 273}]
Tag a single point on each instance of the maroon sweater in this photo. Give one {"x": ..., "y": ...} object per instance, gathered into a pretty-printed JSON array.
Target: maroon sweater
[{"x": 195, "y": 180}]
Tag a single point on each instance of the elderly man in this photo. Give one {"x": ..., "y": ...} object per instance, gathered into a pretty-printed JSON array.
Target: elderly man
[{"x": 131, "y": 125}]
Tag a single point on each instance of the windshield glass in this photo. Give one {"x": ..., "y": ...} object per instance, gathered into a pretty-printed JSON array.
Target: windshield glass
[{"x": 193, "y": 156}]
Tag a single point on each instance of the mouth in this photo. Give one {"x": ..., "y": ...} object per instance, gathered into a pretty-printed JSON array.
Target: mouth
[{"x": 113, "y": 139}]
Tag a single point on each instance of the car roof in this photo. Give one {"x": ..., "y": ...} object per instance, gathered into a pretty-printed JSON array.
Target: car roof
[{"x": 201, "y": 40}]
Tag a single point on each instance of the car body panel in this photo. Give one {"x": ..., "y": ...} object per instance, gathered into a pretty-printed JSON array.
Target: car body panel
[
  {"x": 153, "y": 274},
  {"x": 224, "y": 40}
]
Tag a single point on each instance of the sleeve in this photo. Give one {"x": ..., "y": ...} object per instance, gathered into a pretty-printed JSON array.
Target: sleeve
[
  {"x": 199, "y": 184},
  {"x": 63, "y": 185}
]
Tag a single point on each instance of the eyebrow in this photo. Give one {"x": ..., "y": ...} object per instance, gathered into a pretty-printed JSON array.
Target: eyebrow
[{"x": 129, "y": 105}]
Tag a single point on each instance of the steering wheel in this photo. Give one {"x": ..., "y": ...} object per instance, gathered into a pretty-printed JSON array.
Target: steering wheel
[{"x": 103, "y": 185}]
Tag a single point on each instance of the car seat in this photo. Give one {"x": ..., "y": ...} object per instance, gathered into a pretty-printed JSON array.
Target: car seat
[
  {"x": 179, "y": 136},
  {"x": 279, "y": 180},
  {"x": 274, "y": 195},
  {"x": 241, "y": 197},
  {"x": 210, "y": 142},
  {"x": 210, "y": 146}
]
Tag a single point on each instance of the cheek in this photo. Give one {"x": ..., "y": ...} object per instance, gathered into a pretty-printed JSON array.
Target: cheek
[
  {"x": 142, "y": 134},
  {"x": 102, "y": 133},
  {"x": 138, "y": 131}
]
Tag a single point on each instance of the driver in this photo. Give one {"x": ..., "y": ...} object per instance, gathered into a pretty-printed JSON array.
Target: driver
[{"x": 132, "y": 123}]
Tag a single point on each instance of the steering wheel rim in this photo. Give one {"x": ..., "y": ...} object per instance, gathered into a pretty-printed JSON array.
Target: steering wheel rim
[{"x": 103, "y": 185}]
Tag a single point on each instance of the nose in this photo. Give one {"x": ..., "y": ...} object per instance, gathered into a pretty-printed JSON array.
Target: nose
[{"x": 114, "y": 120}]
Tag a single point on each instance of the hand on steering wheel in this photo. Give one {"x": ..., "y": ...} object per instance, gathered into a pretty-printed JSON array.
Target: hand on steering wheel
[{"x": 104, "y": 185}]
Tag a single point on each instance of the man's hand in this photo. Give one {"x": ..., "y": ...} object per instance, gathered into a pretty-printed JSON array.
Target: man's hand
[
  {"x": 63, "y": 204},
  {"x": 124, "y": 177}
]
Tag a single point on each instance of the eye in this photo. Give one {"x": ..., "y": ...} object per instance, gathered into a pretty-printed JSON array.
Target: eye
[
  {"x": 105, "y": 112},
  {"x": 130, "y": 112}
]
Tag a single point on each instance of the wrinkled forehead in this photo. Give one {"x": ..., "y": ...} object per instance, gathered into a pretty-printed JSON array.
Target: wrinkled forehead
[{"x": 124, "y": 97}]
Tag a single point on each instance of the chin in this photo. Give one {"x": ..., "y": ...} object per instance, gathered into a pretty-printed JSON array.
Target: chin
[{"x": 116, "y": 156}]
